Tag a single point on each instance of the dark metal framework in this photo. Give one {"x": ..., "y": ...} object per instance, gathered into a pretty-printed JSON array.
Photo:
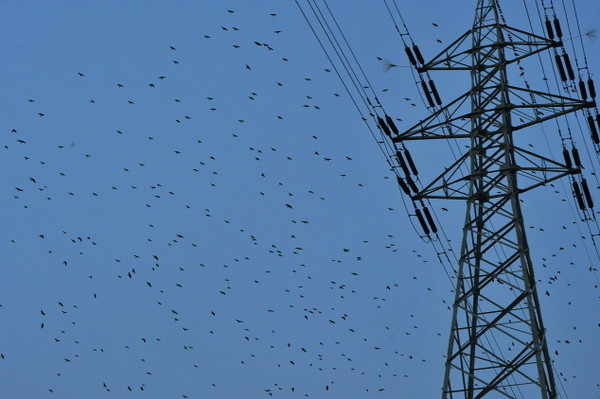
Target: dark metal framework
[{"x": 497, "y": 346}]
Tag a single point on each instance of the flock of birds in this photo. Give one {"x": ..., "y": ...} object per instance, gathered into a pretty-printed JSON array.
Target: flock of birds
[{"x": 199, "y": 227}]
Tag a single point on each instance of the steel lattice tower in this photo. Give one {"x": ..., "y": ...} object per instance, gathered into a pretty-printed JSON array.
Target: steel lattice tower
[{"x": 497, "y": 346}]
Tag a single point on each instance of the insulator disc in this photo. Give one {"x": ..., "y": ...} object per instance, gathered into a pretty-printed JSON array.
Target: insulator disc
[
  {"x": 402, "y": 163},
  {"x": 436, "y": 95},
  {"x": 429, "y": 219},
  {"x": 586, "y": 193},
  {"x": 578, "y": 196},
  {"x": 422, "y": 221},
  {"x": 549, "y": 29},
  {"x": 567, "y": 158},
  {"x": 411, "y": 163},
  {"x": 561, "y": 69},
  {"x": 568, "y": 66},
  {"x": 391, "y": 124},
  {"x": 427, "y": 95},
  {"x": 410, "y": 55},
  {"x": 557, "y": 28},
  {"x": 403, "y": 185},
  {"x": 593, "y": 129},
  {"x": 576, "y": 157},
  {"x": 383, "y": 126},
  {"x": 582, "y": 90},
  {"x": 412, "y": 184},
  {"x": 418, "y": 54}
]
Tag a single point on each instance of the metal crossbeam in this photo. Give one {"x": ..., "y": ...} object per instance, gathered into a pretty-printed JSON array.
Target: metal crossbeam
[{"x": 497, "y": 346}]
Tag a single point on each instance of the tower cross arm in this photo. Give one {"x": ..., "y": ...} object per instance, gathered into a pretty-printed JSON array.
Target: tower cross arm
[
  {"x": 457, "y": 55},
  {"x": 453, "y": 121},
  {"x": 534, "y": 170},
  {"x": 448, "y": 122}
]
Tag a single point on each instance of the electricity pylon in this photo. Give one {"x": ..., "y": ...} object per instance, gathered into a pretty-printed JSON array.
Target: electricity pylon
[{"x": 497, "y": 346}]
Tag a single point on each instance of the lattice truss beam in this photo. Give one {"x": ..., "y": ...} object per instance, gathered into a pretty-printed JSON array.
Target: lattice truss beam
[
  {"x": 497, "y": 346},
  {"x": 497, "y": 336},
  {"x": 453, "y": 121},
  {"x": 457, "y": 55}
]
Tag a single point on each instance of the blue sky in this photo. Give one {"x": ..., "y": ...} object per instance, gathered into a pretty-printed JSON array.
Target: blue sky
[{"x": 206, "y": 234}]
